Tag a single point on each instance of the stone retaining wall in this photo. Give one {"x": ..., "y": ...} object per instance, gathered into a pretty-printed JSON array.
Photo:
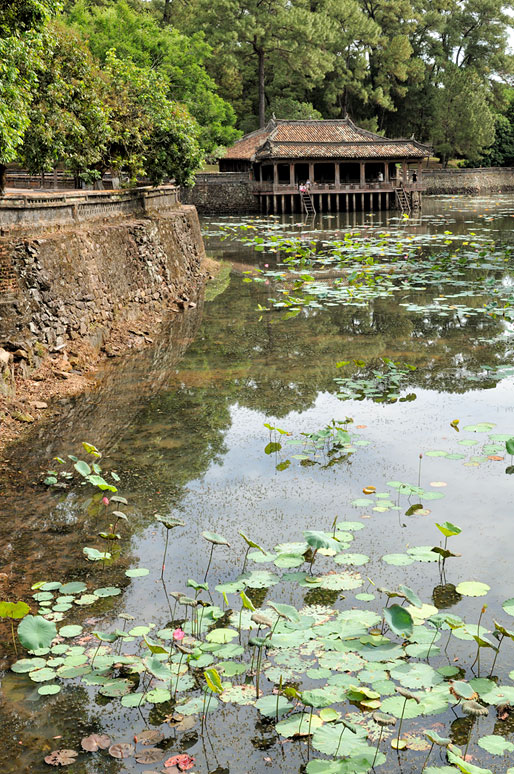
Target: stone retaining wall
[
  {"x": 25, "y": 211},
  {"x": 469, "y": 181},
  {"x": 221, "y": 192},
  {"x": 61, "y": 281}
]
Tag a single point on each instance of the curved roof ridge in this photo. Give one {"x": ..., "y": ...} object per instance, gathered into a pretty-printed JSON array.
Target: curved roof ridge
[{"x": 313, "y": 134}]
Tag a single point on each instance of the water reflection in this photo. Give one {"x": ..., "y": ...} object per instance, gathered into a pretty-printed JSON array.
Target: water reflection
[{"x": 182, "y": 424}]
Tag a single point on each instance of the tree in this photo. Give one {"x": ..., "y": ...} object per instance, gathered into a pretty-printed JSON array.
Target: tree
[
  {"x": 501, "y": 154},
  {"x": 352, "y": 35},
  {"x": 68, "y": 117},
  {"x": 463, "y": 121},
  {"x": 149, "y": 134},
  {"x": 180, "y": 59},
  {"x": 21, "y": 46},
  {"x": 266, "y": 39},
  {"x": 19, "y": 16}
]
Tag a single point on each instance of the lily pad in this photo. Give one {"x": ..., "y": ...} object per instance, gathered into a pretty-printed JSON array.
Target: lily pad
[
  {"x": 472, "y": 589},
  {"x": 137, "y": 572},
  {"x": 121, "y": 750}
]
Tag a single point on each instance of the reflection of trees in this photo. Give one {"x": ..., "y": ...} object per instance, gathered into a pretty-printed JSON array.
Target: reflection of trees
[{"x": 162, "y": 415}]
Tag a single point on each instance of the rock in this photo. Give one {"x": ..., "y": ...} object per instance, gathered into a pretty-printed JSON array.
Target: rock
[
  {"x": 5, "y": 357},
  {"x": 21, "y": 416},
  {"x": 40, "y": 404},
  {"x": 20, "y": 353}
]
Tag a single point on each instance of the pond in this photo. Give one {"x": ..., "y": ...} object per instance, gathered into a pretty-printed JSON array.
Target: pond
[{"x": 335, "y": 430}]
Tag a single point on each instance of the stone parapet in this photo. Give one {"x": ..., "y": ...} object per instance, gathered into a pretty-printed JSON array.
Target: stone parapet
[
  {"x": 29, "y": 210},
  {"x": 469, "y": 181}
]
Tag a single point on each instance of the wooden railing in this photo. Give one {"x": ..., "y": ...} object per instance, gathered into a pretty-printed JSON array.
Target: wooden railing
[{"x": 283, "y": 188}]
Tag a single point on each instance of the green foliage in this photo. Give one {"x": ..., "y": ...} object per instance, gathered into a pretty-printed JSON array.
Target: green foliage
[
  {"x": 149, "y": 134},
  {"x": 68, "y": 116},
  {"x": 463, "y": 121},
  {"x": 35, "y": 632},
  {"x": 178, "y": 59}
]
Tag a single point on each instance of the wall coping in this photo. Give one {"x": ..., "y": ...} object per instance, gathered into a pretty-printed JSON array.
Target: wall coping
[
  {"x": 29, "y": 209},
  {"x": 467, "y": 171}
]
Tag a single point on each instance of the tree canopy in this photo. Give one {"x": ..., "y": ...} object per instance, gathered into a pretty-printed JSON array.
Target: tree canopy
[{"x": 145, "y": 87}]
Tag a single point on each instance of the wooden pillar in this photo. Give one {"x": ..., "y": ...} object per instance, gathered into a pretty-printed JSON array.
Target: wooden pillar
[
  {"x": 275, "y": 174},
  {"x": 337, "y": 175},
  {"x": 353, "y": 202},
  {"x": 363, "y": 175},
  {"x": 404, "y": 172},
  {"x": 386, "y": 171},
  {"x": 292, "y": 203},
  {"x": 362, "y": 202},
  {"x": 380, "y": 201},
  {"x": 275, "y": 204},
  {"x": 283, "y": 203},
  {"x": 311, "y": 171},
  {"x": 329, "y": 202},
  {"x": 387, "y": 200},
  {"x": 291, "y": 174}
]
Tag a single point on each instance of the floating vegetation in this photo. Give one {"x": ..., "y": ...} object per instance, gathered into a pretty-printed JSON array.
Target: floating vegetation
[{"x": 380, "y": 677}]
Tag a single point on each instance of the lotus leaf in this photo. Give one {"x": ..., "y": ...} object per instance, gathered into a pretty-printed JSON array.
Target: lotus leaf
[
  {"x": 472, "y": 589},
  {"x": 495, "y": 744},
  {"x": 34, "y": 632}
]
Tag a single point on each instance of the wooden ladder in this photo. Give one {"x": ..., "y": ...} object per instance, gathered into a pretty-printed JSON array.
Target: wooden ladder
[
  {"x": 402, "y": 200},
  {"x": 308, "y": 203}
]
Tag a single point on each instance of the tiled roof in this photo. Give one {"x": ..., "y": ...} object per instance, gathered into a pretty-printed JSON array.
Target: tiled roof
[
  {"x": 245, "y": 147},
  {"x": 362, "y": 150},
  {"x": 338, "y": 138}
]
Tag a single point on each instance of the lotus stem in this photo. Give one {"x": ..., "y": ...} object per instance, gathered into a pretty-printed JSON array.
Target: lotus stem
[
  {"x": 165, "y": 551},
  {"x": 428, "y": 756},
  {"x": 210, "y": 560},
  {"x": 419, "y": 469},
  {"x": 312, "y": 560},
  {"x": 467, "y": 743},
  {"x": 245, "y": 558},
  {"x": 13, "y": 638},
  {"x": 178, "y": 676},
  {"x": 200, "y": 624},
  {"x": 400, "y": 726},
  {"x": 339, "y": 742},
  {"x": 430, "y": 646},
  {"x": 496, "y": 655},
  {"x": 257, "y": 675},
  {"x": 379, "y": 740},
  {"x": 95, "y": 654},
  {"x": 203, "y": 707},
  {"x": 310, "y": 721}
]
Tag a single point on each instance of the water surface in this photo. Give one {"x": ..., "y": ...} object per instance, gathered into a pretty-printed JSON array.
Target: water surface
[{"x": 182, "y": 424}]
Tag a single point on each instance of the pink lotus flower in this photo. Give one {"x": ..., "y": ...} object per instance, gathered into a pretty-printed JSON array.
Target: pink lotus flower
[
  {"x": 178, "y": 634},
  {"x": 266, "y": 265},
  {"x": 105, "y": 501}
]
